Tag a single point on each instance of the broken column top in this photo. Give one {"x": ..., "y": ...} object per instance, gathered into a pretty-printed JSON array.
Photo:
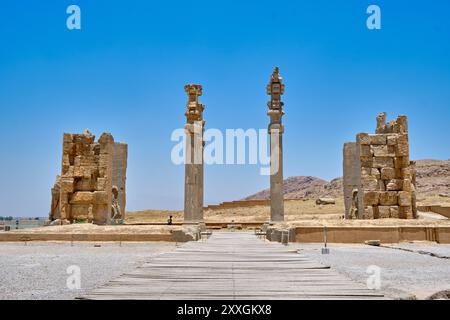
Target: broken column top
[
  {"x": 194, "y": 107},
  {"x": 400, "y": 125},
  {"x": 275, "y": 89}
]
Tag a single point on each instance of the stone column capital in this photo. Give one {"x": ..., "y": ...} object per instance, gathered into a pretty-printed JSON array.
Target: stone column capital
[{"x": 276, "y": 126}]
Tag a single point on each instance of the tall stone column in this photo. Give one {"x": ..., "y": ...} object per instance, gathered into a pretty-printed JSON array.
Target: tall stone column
[
  {"x": 193, "y": 184},
  {"x": 275, "y": 89}
]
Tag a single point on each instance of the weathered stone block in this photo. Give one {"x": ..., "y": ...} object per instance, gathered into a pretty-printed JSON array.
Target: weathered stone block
[
  {"x": 67, "y": 185},
  {"x": 370, "y": 173},
  {"x": 402, "y": 124},
  {"x": 383, "y": 162},
  {"x": 376, "y": 173},
  {"x": 101, "y": 184},
  {"x": 368, "y": 213},
  {"x": 88, "y": 172},
  {"x": 80, "y": 211},
  {"x": 366, "y": 171},
  {"x": 391, "y": 140},
  {"x": 391, "y": 151},
  {"x": 384, "y": 212},
  {"x": 376, "y": 213},
  {"x": 371, "y": 198},
  {"x": 363, "y": 139},
  {"x": 78, "y": 172},
  {"x": 370, "y": 184},
  {"x": 404, "y": 198},
  {"x": 387, "y": 173},
  {"x": 394, "y": 212},
  {"x": 388, "y": 198},
  {"x": 407, "y": 185},
  {"x": 394, "y": 185},
  {"x": 366, "y": 151},
  {"x": 406, "y": 173},
  {"x": 402, "y": 147},
  {"x": 378, "y": 139},
  {"x": 82, "y": 197},
  {"x": 405, "y": 212},
  {"x": 401, "y": 162},
  {"x": 66, "y": 160},
  {"x": 101, "y": 197},
  {"x": 84, "y": 185},
  {"x": 67, "y": 138},
  {"x": 383, "y": 151},
  {"x": 366, "y": 162}
]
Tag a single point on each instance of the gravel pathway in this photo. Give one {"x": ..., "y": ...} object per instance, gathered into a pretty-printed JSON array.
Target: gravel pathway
[
  {"x": 39, "y": 269},
  {"x": 404, "y": 274}
]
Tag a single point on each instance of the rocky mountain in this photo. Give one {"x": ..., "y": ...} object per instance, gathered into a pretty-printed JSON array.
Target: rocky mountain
[
  {"x": 433, "y": 178},
  {"x": 302, "y": 187}
]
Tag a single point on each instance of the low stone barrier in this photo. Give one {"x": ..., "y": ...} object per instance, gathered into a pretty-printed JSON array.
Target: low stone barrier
[
  {"x": 242, "y": 204},
  {"x": 361, "y": 234},
  {"x": 442, "y": 210},
  {"x": 13, "y": 237},
  {"x": 238, "y": 204}
]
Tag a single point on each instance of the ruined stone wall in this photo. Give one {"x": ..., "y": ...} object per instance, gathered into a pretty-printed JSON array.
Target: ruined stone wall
[
  {"x": 385, "y": 180},
  {"x": 86, "y": 180}
]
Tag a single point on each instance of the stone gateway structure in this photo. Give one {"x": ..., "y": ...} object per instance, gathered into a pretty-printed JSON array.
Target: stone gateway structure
[
  {"x": 90, "y": 172},
  {"x": 379, "y": 178},
  {"x": 275, "y": 89},
  {"x": 193, "y": 184}
]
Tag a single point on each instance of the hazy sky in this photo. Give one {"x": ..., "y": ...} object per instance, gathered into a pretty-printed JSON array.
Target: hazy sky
[{"x": 125, "y": 70}]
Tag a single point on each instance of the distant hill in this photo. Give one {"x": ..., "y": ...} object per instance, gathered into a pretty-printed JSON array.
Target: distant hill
[
  {"x": 433, "y": 178},
  {"x": 304, "y": 187}
]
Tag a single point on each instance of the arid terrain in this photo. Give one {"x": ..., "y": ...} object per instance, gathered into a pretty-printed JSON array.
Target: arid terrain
[{"x": 433, "y": 188}]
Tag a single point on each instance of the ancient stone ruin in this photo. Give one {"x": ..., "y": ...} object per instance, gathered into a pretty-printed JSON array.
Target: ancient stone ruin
[
  {"x": 275, "y": 89},
  {"x": 379, "y": 178},
  {"x": 193, "y": 184},
  {"x": 92, "y": 184}
]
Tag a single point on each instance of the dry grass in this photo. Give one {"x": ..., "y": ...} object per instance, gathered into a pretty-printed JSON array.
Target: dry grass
[
  {"x": 294, "y": 211},
  {"x": 89, "y": 228},
  {"x": 153, "y": 216}
]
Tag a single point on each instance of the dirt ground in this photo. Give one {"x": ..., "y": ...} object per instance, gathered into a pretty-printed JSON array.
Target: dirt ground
[
  {"x": 294, "y": 210},
  {"x": 88, "y": 228}
]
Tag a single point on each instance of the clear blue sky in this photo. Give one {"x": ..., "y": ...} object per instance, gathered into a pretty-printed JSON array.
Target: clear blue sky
[{"x": 125, "y": 70}]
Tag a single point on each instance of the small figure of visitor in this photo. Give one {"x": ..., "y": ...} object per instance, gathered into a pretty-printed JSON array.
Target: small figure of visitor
[{"x": 169, "y": 221}]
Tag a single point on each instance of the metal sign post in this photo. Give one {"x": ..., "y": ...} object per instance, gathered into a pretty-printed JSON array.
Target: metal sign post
[{"x": 325, "y": 249}]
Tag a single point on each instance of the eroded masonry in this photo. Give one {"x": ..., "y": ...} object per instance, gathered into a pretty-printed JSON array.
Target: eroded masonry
[
  {"x": 379, "y": 178},
  {"x": 92, "y": 184}
]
